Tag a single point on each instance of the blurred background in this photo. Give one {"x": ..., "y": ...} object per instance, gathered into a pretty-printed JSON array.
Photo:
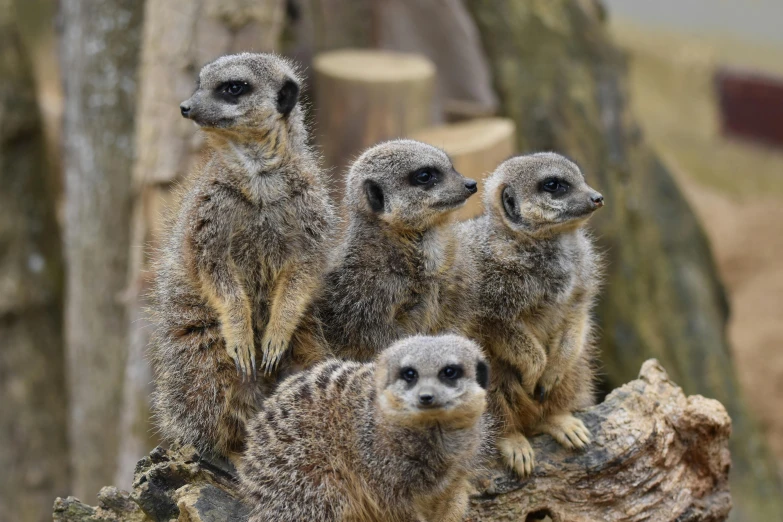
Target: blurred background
[{"x": 674, "y": 109}]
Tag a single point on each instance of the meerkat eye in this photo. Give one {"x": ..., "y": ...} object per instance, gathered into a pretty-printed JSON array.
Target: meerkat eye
[
  {"x": 554, "y": 186},
  {"x": 425, "y": 176},
  {"x": 451, "y": 372},
  {"x": 408, "y": 374},
  {"x": 235, "y": 88}
]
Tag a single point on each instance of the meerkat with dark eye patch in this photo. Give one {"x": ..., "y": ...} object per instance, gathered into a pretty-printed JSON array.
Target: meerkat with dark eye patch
[
  {"x": 243, "y": 256},
  {"x": 393, "y": 440},
  {"x": 536, "y": 277},
  {"x": 396, "y": 271}
]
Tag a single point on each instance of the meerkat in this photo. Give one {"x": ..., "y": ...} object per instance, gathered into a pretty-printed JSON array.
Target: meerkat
[
  {"x": 536, "y": 277},
  {"x": 390, "y": 440},
  {"x": 392, "y": 275},
  {"x": 243, "y": 257}
]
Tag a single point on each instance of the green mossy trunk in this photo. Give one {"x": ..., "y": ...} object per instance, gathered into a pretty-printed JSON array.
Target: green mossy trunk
[{"x": 563, "y": 82}]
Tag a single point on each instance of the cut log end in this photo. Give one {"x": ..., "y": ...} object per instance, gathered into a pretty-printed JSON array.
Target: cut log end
[
  {"x": 656, "y": 455},
  {"x": 374, "y": 66}
]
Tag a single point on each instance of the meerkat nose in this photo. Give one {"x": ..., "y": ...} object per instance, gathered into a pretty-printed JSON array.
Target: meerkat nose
[
  {"x": 472, "y": 186},
  {"x": 425, "y": 399},
  {"x": 598, "y": 200},
  {"x": 184, "y": 109}
]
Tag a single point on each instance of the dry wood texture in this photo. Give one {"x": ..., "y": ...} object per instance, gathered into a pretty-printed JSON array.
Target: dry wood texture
[
  {"x": 657, "y": 456},
  {"x": 33, "y": 447},
  {"x": 364, "y": 97},
  {"x": 476, "y": 147},
  {"x": 180, "y": 36}
]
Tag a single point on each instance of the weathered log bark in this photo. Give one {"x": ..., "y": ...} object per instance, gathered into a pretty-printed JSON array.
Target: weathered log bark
[
  {"x": 476, "y": 147},
  {"x": 100, "y": 49},
  {"x": 33, "y": 443},
  {"x": 179, "y": 37},
  {"x": 657, "y": 456},
  {"x": 562, "y": 80}
]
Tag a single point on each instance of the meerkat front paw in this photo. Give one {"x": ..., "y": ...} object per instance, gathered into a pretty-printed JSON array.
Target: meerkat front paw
[
  {"x": 566, "y": 429},
  {"x": 517, "y": 454},
  {"x": 273, "y": 346},
  {"x": 548, "y": 381},
  {"x": 241, "y": 349}
]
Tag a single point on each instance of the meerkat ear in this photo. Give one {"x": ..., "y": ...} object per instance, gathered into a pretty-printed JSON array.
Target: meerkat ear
[
  {"x": 374, "y": 194},
  {"x": 287, "y": 97},
  {"x": 482, "y": 374},
  {"x": 509, "y": 200}
]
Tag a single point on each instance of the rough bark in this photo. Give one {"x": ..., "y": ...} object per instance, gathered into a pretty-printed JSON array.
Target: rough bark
[
  {"x": 657, "y": 456},
  {"x": 179, "y": 37},
  {"x": 476, "y": 147},
  {"x": 364, "y": 97},
  {"x": 33, "y": 443},
  {"x": 100, "y": 48},
  {"x": 563, "y": 82}
]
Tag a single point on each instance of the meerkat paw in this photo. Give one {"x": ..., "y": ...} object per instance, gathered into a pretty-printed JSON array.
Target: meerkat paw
[
  {"x": 517, "y": 454},
  {"x": 548, "y": 381},
  {"x": 240, "y": 347},
  {"x": 244, "y": 356},
  {"x": 272, "y": 347},
  {"x": 566, "y": 429}
]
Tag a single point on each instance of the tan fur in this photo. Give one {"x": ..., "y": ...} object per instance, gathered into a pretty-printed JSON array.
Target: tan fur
[
  {"x": 536, "y": 275},
  {"x": 242, "y": 258},
  {"x": 346, "y": 441}
]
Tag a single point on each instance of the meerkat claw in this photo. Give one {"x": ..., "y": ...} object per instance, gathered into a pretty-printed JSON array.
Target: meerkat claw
[
  {"x": 567, "y": 430},
  {"x": 518, "y": 454}
]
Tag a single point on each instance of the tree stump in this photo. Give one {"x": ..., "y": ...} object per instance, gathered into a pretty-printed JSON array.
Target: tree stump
[
  {"x": 476, "y": 147},
  {"x": 363, "y": 97},
  {"x": 656, "y": 456}
]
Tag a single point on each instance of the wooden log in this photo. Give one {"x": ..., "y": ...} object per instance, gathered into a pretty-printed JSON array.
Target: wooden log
[
  {"x": 656, "y": 456},
  {"x": 476, "y": 147},
  {"x": 363, "y": 97}
]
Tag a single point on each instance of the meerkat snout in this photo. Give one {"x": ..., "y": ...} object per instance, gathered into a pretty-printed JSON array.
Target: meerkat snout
[
  {"x": 597, "y": 199},
  {"x": 433, "y": 379},
  {"x": 184, "y": 108},
  {"x": 472, "y": 186}
]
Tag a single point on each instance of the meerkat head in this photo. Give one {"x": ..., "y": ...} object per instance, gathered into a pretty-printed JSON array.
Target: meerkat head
[
  {"x": 423, "y": 380},
  {"x": 244, "y": 92},
  {"x": 540, "y": 194},
  {"x": 406, "y": 183}
]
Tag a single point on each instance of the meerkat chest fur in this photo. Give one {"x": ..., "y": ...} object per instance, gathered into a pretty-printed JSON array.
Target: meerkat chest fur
[
  {"x": 265, "y": 214},
  {"x": 535, "y": 280}
]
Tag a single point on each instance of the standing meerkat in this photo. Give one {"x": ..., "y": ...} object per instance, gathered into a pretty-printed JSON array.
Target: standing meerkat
[
  {"x": 243, "y": 257},
  {"x": 536, "y": 277},
  {"x": 390, "y": 441},
  {"x": 393, "y": 275}
]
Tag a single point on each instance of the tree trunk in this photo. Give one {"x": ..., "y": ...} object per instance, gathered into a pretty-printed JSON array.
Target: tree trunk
[
  {"x": 33, "y": 442},
  {"x": 180, "y": 36},
  {"x": 656, "y": 456},
  {"x": 100, "y": 50},
  {"x": 563, "y": 82}
]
